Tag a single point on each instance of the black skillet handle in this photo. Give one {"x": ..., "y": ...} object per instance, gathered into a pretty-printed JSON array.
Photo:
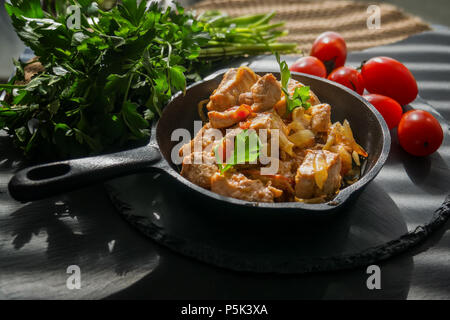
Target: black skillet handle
[{"x": 51, "y": 179}]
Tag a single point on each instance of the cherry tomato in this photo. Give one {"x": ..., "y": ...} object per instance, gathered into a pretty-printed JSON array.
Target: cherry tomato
[
  {"x": 310, "y": 65},
  {"x": 330, "y": 48},
  {"x": 349, "y": 77},
  {"x": 390, "y": 109},
  {"x": 390, "y": 78},
  {"x": 419, "y": 133}
]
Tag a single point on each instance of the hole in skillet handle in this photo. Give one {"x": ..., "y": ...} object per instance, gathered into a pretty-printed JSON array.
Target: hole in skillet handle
[
  {"x": 48, "y": 172},
  {"x": 38, "y": 182}
]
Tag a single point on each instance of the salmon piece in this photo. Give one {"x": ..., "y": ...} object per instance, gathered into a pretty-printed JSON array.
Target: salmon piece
[
  {"x": 260, "y": 121},
  {"x": 246, "y": 98},
  {"x": 320, "y": 117},
  {"x": 228, "y": 117},
  {"x": 272, "y": 121},
  {"x": 277, "y": 181},
  {"x": 240, "y": 187},
  {"x": 283, "y": 180},
  {"x": 318, "y": 175},
  {"x": 234, "y": 82},
  {"x": 267, "y": 120},
  {"x": 346, "y": 157},
  {"x": 202, "y": 172},
  {"x": 266, "y": 92},
  {"x": 205, "y": 138}
]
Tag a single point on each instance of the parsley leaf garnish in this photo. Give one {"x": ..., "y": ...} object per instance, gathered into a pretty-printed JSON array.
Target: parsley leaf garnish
[
  {"x": 246, "y": 141},
  {"x": 300, "y": 96}
]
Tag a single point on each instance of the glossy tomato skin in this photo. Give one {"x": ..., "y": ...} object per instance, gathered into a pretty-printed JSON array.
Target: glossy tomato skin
[
  {"x": 309, "y": 65},
  {"x": 331, "y": 49},
  {"x": 389, "y": 77},
  {"x": 349, "y": 77},
  {"x": 419, "y": 133},
  {"x": 390, "y": 109}
]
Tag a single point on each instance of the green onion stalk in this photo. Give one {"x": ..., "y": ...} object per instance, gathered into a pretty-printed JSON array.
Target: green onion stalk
[{"x": 245, "y": 35}]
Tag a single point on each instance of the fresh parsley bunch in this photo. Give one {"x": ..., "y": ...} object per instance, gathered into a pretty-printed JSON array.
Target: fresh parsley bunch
[{"x": 105, "y": 80}]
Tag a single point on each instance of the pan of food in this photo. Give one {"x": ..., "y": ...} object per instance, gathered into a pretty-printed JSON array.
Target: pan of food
[{"x": 238, "y": 139}]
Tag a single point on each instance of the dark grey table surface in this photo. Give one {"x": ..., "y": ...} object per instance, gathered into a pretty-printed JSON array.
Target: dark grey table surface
[{"x": 39, "y": 240}]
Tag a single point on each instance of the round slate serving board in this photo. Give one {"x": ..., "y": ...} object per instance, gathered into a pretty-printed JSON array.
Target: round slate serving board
[{"x": 392, "y": 214}]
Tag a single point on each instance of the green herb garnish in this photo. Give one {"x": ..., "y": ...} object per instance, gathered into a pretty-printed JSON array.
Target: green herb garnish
[
  {"x": 107, "y": 78},
  {"x": 300, "y": 96},
  {"x": 246, "y": 150}
]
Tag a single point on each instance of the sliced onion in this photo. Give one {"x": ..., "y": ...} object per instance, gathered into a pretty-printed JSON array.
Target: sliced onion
[{"x": 320, "y": 170}]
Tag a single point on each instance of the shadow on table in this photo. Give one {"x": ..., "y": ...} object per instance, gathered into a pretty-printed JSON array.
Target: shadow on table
[
  {"x": 181, "y": 278},
  {"x": 422, "y": 171},
  {"x": 177, "y": 277},
  {"x": 43, "y": 238},
  {"x": 78, "y": 230}
]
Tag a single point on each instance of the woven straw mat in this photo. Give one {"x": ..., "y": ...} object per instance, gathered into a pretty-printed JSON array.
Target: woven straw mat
[{"x": 305, "y": 20}]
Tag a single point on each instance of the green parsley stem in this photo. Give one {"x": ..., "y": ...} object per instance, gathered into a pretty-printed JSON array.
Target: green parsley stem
[
  {"x": 11, "y": 86},
  {"x": 254, "y": 48}
]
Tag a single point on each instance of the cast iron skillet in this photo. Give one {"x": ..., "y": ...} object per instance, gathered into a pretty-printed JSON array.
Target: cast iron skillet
[{"x": 51, "y": 179}]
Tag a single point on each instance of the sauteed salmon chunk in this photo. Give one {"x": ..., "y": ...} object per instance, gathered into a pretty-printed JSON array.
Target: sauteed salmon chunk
[
  {"x": 318, "y": 175},
  {"x": 203, "y": 141},
  {"x": 229, "y": 117},
  {"x": 234, "y": 82},
  {"x": 199, "y": 167},
  {"x": 320, "y": 117},
  {"x": 240, "y": 187},
  {"x": 265, "y": 93}
]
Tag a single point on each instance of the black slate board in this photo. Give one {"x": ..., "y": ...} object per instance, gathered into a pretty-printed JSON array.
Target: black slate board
[{"x": 400, "y": 208}]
